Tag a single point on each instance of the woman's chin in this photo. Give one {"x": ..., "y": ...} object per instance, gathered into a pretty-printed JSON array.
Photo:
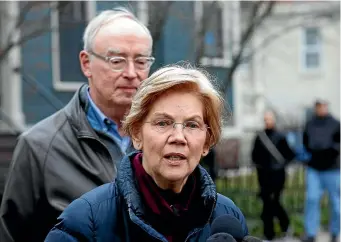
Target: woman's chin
[{"x": 173, "y": 176}]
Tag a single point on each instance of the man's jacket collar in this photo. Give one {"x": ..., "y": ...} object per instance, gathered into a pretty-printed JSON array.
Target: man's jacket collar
[{"x": 76, "y": 110}]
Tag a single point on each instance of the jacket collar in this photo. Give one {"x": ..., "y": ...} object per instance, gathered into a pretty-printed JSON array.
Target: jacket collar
[
  {"x": 127, "y": 187},
  {"x": 75, "y": 112}
]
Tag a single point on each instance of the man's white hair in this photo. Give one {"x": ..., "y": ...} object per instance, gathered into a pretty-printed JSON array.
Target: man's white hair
[{"x": 104, "y": 18}]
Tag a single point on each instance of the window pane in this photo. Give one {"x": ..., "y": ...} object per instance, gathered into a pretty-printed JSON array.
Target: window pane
[
  {"x": 312, "y": 60},
  {"x": 73, "y": 11},
  {"x": 212, "y": 20},
  {"x": 105, "y": 5},
  {"x": 72, "y": 21},
  {"x": 312, "y": 36}
]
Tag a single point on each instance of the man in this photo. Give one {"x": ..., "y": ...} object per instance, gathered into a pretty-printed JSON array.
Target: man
[
  {"x": 271, "y": 154},
  {"x": 321, "y": 138},
  {"x": 79, "y": 147}
]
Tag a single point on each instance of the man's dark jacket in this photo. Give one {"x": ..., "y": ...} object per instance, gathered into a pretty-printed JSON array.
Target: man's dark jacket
[
  {"x": 55, "y": 162},
  {"x": 321, "y": 138},
  {"x": 116, "y": 212}
]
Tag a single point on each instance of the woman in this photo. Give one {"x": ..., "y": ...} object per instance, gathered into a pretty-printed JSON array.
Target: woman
[
  {"x": 160, "y": 193},
  {"x": 271, "y": 154}
]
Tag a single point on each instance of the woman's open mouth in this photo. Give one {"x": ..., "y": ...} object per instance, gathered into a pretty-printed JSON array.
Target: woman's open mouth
[{"x": 175, "y": 159}]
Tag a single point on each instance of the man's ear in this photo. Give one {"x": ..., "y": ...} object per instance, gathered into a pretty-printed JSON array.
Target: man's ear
[{"x": 84, "y": 59}]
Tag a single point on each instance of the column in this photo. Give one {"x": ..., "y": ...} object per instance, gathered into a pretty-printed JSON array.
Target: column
[{"x": 11, "y": 96}]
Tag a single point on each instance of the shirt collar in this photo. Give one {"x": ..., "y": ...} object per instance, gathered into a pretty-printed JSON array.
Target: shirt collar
[{"x": 104, "y": 120}]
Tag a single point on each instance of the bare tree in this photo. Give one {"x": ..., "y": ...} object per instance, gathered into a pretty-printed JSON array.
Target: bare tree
[
  {"x": 259, "y": 12},
  {"x": 255, "y": 15},
  {"x": 29, "y": 29},
  {"x": 256, "y": 12}
]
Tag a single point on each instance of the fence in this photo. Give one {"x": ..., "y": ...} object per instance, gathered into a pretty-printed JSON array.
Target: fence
[{"x": 241, "y": 185}]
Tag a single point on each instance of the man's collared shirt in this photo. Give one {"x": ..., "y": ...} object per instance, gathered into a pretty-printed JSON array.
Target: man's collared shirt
[{"x": 102, "y": 123}]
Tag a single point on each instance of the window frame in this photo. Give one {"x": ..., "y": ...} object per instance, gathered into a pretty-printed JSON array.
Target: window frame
[{"x": 305, "y": 49}]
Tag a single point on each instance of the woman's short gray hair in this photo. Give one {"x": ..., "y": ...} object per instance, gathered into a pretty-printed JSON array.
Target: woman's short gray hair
[
  {"x": 102, "y": 19},
  {"x": 177, "y": 78}
]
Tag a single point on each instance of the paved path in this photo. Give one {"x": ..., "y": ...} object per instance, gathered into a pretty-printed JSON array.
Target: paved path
[{"x": 322, "y": 237}]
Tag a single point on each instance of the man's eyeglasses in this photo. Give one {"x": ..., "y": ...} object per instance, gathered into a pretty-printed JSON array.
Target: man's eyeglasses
[
  {"x": 119, "y": 63},
  {"x": 190, "y": 127}
]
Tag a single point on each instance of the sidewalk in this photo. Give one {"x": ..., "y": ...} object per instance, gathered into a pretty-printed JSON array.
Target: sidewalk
[{"x": 322, "y": 237}]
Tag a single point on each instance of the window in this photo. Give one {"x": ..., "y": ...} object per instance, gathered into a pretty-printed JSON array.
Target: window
[
  {"x": 218, "y": 21},
  {"x": 68, "y": 20},
  {"x": 71, "y": 23},
  {"x": 213, "y": 30},
  {"x": 311, "y": 48}
]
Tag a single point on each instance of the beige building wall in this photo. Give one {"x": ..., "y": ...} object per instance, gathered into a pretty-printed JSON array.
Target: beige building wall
[{"x": 277, "y": 73}]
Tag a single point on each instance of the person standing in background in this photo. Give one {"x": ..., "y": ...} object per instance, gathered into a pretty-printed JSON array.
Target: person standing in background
[
  {"x": 321, "y": 138},
  {"x": 271, "y": 154}
]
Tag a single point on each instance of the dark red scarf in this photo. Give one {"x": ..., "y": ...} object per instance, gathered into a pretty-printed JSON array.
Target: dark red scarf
[{"x": 165, "y": 209}]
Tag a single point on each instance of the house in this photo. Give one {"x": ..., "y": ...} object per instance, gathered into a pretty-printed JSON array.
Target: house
[
  {"x": 298, "y": 65},
  {"x": 49, "y": 66},
  {"x": 297, "y": 61}
]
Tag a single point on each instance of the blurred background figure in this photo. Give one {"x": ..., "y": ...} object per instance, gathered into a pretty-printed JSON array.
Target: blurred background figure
[
  {"x": 271, "y": 154},
  {"x": 321, "y": 138}
]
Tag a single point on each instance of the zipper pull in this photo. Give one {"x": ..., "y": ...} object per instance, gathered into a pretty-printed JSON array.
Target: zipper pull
[{"x": 175, "y": 210}]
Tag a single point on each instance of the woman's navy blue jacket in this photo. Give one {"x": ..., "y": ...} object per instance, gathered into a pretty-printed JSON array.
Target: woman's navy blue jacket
[{"x": 114, "y": 212}]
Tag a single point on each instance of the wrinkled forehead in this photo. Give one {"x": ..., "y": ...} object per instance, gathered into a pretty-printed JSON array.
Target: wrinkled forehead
[
  {"x": 123, "y": 26},
  {"x": 123, "y": 35}
]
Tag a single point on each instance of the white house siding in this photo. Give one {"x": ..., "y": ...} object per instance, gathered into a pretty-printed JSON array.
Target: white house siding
[{"x": 285, "y": 84}]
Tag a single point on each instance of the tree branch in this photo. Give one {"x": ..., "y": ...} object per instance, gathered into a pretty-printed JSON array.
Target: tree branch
[
  {"x": 273, "y": 36},
  {"x": 26, "y": 8},
  {"x": 247, "y": 34},
  {"x": 45, "y": 22}
]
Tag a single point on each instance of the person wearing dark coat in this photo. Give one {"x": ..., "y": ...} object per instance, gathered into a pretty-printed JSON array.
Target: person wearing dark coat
[
  {"x": 321, "y": 138},
  {"x": 271, "y": 174},
  {"x": 79, "y": 147},
  {"x": 161, "y": 193}
]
